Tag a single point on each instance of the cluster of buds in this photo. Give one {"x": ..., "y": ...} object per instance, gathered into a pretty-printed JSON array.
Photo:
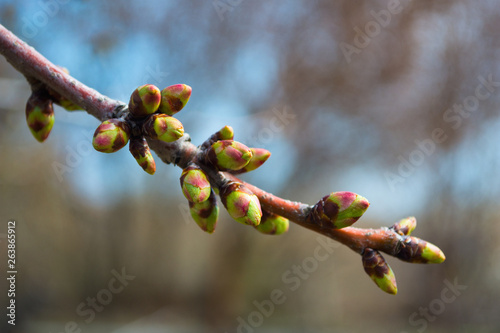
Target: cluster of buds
[
  {"x": 221, "y": 153},
  {"x": 224, "y": 154},
  {"x": 412, "y": 249},
  {"x": 150, "y": 115},
  {"x": 341, "y": 209},
  {"x": 150, "y": 111}
]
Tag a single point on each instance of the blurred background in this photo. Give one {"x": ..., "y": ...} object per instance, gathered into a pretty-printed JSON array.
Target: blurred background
[{"x": 395, "y": 100}]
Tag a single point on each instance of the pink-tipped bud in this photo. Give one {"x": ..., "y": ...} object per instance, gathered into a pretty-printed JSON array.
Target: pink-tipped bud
[
  {"x": 144, "y": 101},
  {"x": 241, "y": 203},
  {"x": 174, "y": 98},
  {"x": 229, "y": 155},
  {"x": 111, "y": 136},
  {"x": 195, "y": 184},
  {"x": 163, "y": 127},
  {"x": 259, "y": 157},
  {"x": 339, "y": 210}
]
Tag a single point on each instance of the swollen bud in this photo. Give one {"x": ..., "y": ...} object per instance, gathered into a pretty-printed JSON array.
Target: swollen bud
[
  {"x": 225, "y": 133},
  {"x": 379, "y": 271},
  {"x": 163, "y": 127},
  {"x": 195, "y": 185},
  {"x": 241, "y": 203},
  {"x": 272, "y": 224},
  {"x": 39, "y": 115},
  {"x": 416, "y": 250},
  {"x": 140, "y": 150},
  {"x": 405, "y": 226},
  {"x": 259, "y": 157},
  {"x": 205, "y": 213},
  {"x": 144, "y": 101},
  {"x": 111, "y": 135},
  {"x": 339, "y": 210},
  {"x": 229, "y": 155},
  {"x": 174, "y": 98}
]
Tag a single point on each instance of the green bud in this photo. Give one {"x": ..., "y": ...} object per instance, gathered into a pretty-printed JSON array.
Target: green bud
[
  {"x": 140, "y": 150},
  {"x": 241, "y": 203},
  {"x": 195, "y": 185},
  {"x": 272, "y": 224},
  {"x": 259, "y": 157},
  {"x": 379, "y": 271},
  {"x": 416, "y": 250},
  {"x": 144, "y": 101},
  {"x": 339, "y": 210},
  {"x": 229, "y": 155},
  {"x": 205, "y": 213},
  {"x": 111, "y": 136},
  {"x": 174, "y": 98},
  {"x": 405, "y": 226},
  {"x": 40, "y": 115},
  {"x": 225, "y": 133},
  {"x": 163, "y": 127},
  {"x": 68, "y": 105}
]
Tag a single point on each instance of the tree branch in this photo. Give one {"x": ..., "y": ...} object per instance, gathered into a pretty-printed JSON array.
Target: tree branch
[
  {"x": 33, "y": 65},
  {"x": 394, "y": 241},
  {"x": 384, "y": 239}
]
